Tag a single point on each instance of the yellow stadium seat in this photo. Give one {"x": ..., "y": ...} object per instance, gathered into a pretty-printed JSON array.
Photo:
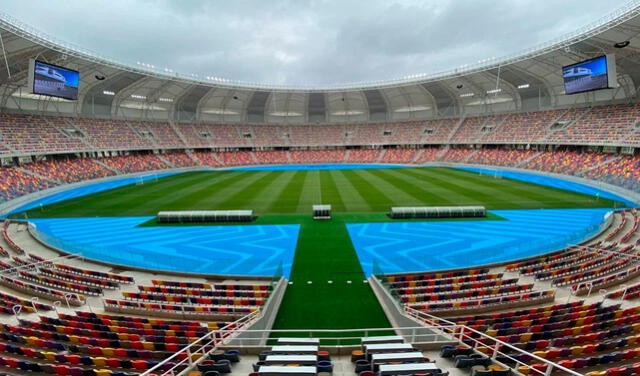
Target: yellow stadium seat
[
  {"x": 107, "y": 351},
  {"x": 99, "y": 361}
]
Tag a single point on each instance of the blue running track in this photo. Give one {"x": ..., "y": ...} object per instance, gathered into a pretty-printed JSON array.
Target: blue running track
[
  {"x": 396, "y": 247},
  {"x": 262, "y": 250}
]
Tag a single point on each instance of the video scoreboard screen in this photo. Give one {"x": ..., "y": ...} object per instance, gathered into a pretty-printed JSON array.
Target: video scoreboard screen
[
  {"x": 53, "y": 80},
  {"x": 593, "y": 74}
]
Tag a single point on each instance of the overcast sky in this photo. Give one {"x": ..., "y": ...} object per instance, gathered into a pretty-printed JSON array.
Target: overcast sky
[{"x": 307, "y": 41}]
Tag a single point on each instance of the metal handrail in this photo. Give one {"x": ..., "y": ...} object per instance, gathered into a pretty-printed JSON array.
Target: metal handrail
[
  {"x": 437, "y": 326},
  {"x": 214, "y": 337},
  {"x": 458, "y": 332}
]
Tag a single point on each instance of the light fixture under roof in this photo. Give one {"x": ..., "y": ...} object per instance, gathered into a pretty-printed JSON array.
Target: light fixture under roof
[
  {"x": 108, "y": 92},
  {"x": 285, "y": 113},
  {"x": 411, "y": 109},
  {"x": 138, "y": 96},
  {"x": 523, "y": 86},
  {"x": 622, "y": 44},
  {"x": 347, "y": 113},
  {"x": 466, "y": 95},
  {"x": 494, "y": 91},
  {"x": 168, "y": 100},
  {"x": 220, "y": 111}
]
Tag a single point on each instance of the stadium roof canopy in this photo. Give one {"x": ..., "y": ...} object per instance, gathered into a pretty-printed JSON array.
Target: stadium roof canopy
[{"x": 527, "y": 81}]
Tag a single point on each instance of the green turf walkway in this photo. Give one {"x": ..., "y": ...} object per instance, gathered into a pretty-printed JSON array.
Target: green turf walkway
[{"x": 324, "y": 253}]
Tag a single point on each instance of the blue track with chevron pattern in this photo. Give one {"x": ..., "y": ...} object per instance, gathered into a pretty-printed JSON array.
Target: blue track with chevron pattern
[
  {"x": 237, "y": 250},
  {"x": 397, "y": 247}
]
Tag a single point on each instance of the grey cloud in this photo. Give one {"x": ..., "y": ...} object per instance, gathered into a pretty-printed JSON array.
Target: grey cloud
[{"x": 307, "y": 41}]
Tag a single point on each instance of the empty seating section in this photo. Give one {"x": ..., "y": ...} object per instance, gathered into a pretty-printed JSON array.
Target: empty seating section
[
  {"x": 178, "y": 159},
  {"x": 236, "y": 158},
  {"x": 428, "y": 155},
  {"x": 501, "y": 157},
  {"x": 135, "y": 163},
  {"x": 192, "y": 299},
  {"x": 203, "y": 312},
  {"x": 8, "y": 301},
  {"x": 69, "y": 170},
  {"x": 207, "y": 158},
  {"x": 269, "y": 135},
  {"x": 313, "y": 135},
  {"x": 438, "y": 131},
  {"x": 110, "y": 134},
  {"x": 272, "y": 157},
  {"x": 366, "y": 135},
  {"x": 161, "y": 134},
  {"x": 578, "y": 336},
  {"x": 32, "y": 289},
  {"x": 60, "y": 284},
  {"x": 523, "y": 127},
  {"x": 95, "y": 344},
  {"x": 458, "y": 155},
  {"x": 14, "y": 182},
  {"x": 401, "y": 155},
  {"x": 628, "y": 293},
  {"x": 317, "y": 156},
  {"x": 612, "y": 124},
  {"x": 589, "y": 268},
  {"x": 32, "y": 134},
  {"x": 599, "y": 125},
  {"x": 565, "y": 162},
  {"x": 470, "y": 130},
  {"x": 466, "y": 290},
  {"x": 228, "y": 136},
  {"x": 5, "y": 235},
  {"x": 484, "y": 304},
  {"x": 195, "y": 135},
  {"x": 364, "y": 155},
  {"x": 623, "y": 172}
]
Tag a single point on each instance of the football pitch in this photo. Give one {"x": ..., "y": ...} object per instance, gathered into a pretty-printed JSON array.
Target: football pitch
[
  {"x": 338, "y": 297},
  {"x": 294, "y": 192}
]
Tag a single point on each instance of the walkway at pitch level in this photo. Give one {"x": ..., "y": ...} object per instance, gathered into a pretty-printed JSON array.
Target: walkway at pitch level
[{"x": 328, "y": 289}]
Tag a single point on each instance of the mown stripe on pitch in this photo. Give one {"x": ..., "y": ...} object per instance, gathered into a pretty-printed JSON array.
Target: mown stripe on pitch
[
  {"x": 268, "y": 194},
  {"x": 125, "y": 200},
  {"x": 350, "y": 196},
  {"x": 220, "y": 198},
  {"x": 534, "y": 192},
  {"x": 542, "y": 194},
  {"x": 459, "y": 194},
  {"x": 423, "y": 190},
  {"x": 188, "y": 190},
  {"x": 243, "y": 197},
  {"x": 284, "y": 196},
  {"x": 375, "y": 198},
  {"x": 330, "y": 193},
  {"x": 310, "y": 192},
  {"x": 402, "y": 194},
  {"x": 202, "y": 198},
  {"x": 501, "y": 191}
]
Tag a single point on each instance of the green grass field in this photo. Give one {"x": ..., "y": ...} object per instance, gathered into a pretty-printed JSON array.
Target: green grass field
[
  {"x": 324, "y": 251},
  {"x": 348, "y": 191}
]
